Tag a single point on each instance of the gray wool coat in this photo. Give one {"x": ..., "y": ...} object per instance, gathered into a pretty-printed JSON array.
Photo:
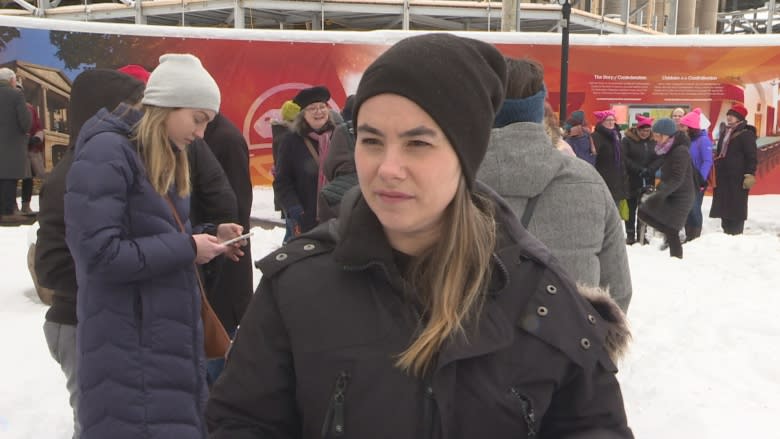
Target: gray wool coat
[
  {"x": 15, "y": 120},
  {"x": 575, "y": 215}
]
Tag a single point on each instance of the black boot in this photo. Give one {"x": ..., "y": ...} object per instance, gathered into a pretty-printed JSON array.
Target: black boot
[{"x": 630, "y": 237}]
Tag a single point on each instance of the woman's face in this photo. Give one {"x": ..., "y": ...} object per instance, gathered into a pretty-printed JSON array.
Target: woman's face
[
  {"x": 677, "y": 114},
  {"x": 185, "y": 124},
  {"x": 660, "y": 138},
  {"x": 644, "y": 132},
  {"x": 609, "y": 122},
  {"x": 316, "y": 115},
  {"x": 731, "y": 120},
  {"x": 408, "y": 170}
]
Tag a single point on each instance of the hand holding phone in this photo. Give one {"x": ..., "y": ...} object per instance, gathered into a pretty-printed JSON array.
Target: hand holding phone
[{"x": 237, "y": 238}]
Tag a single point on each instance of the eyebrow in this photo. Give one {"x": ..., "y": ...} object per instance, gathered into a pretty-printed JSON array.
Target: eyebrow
[{"x": 418, "y": 131}]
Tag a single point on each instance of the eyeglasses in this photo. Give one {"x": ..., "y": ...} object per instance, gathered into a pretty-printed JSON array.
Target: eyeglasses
[{"x": 316, "y": 108}]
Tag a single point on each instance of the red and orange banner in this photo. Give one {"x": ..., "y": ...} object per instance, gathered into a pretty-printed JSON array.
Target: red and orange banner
[{"x": 258, "y": 70}]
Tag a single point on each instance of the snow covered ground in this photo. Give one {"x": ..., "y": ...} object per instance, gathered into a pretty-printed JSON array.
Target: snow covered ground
[{"x": 704, "y": 363}]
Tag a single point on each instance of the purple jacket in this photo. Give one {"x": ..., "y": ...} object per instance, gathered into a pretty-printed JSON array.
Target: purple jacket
[
  {"x": 140, "y": 338},
  {"x": 701, "y": 154}
]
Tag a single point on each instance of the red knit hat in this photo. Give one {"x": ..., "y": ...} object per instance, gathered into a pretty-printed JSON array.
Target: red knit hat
[
  {"x": 738, "y": 110},
  {"x": 642, "y": 121},
  {"x": 136, "y": 72}
]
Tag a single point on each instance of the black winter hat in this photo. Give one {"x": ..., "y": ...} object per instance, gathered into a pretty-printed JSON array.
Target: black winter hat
[
  {"x": 96, "y": 89},
  {"x": 459, "y": 82},
  {"x": 311, "y": 95}
]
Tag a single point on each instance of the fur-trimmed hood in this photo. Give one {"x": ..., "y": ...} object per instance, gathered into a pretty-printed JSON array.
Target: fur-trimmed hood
[{"x": 618, "y": 332}]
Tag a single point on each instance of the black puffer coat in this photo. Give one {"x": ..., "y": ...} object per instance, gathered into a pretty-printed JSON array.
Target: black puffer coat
[
  {"x": 316, "y": 359},
  {"x": 729, "y": 200},
  {"x": 610, "y": 162},
  {"x": 668, "y": 207}
]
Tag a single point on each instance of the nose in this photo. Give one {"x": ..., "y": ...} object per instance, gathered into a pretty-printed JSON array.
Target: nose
[
  {"x": 200, "y": 130},
  {"x": 392, "y": 166}
]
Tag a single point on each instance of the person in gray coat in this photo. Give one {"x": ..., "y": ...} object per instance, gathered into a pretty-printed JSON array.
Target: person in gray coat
[
  {"x": 15, "y": 122},
  {"x": 667, "y": 208},
  {"x": 562, "y": 200}
]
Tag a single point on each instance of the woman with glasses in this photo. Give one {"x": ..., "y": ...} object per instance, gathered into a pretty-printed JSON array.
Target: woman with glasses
[
  {"x": 609, "y": 156},
  {"x": 299, "y": 175}
]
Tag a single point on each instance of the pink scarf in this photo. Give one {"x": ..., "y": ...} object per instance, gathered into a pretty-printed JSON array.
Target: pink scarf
[{"x": 323, "y": 140}]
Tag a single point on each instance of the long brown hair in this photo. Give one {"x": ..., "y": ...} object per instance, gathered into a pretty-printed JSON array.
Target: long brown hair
[
  {"x": 451, "y": 277},
  {"x": 165, "y": 164}
]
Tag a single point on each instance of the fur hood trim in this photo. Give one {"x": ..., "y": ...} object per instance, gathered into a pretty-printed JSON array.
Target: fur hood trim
[{"x": 618, "y": 332}]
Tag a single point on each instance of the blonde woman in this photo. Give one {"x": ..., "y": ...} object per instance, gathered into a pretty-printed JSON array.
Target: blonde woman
[
  {"x": 425, "y": 310},
  {"x": 141, "y": 367}
]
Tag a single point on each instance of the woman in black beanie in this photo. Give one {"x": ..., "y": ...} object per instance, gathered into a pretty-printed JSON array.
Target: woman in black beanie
[{"x": 434, "y": 313}]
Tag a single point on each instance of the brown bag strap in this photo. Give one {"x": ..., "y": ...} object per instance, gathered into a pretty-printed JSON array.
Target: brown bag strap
[
  {"x": 183, "y": 230},
  {"x": 312, "y": 151}
]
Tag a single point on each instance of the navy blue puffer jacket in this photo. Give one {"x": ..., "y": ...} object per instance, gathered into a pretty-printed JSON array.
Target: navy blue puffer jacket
[{"x": 140, "y": 344}]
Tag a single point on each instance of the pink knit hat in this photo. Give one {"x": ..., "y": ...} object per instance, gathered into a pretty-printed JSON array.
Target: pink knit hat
[
  {"x": 601, "y": 115},
  {"x": 642, "y": 121},
  {"x": 695, "y": 120},
  {"x": 691, "y": 120}
]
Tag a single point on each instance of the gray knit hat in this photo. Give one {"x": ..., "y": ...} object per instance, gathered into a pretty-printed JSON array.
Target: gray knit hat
[
  {"x": 180, "y": 81},
  {"x": 665, "y": 126}
]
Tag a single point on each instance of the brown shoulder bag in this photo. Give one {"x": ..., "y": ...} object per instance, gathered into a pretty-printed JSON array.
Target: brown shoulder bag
[{"x": 215, "y": 339}]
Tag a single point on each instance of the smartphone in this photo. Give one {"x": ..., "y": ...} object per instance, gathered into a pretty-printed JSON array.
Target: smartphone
[{"x": 237, "y": 238}]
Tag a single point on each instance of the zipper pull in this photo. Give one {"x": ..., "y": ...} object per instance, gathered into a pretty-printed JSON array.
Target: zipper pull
[
  {"x": 333, "y": 426},
  {"x": 528, "y": 410},
  {"x": 338, "y": 403}
]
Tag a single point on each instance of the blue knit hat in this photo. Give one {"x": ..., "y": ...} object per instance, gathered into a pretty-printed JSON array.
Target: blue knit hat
[{"x": 665, "y": 126}]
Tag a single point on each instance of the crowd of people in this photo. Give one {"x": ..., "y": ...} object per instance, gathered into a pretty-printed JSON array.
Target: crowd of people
[
  {"x": 654, "y": 182},
  {"x": 468, "y": 252}
]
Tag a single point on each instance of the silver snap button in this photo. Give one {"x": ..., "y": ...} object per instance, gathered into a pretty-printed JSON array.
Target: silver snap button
[
  {"x": 542, "y": 311},
  {"x": 552, "y": 289},
  {"x": 591, "y": 319},
  {"x": 281, "y": 256},
  {"x": 308, "y": 247},
  {"x": 585, "y": 343},
  {"x": 339, "y": 428}
]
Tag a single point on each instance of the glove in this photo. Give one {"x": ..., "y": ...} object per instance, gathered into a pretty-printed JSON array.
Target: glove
[
  {"x": 295, "y": 216},
  {"x": 748, "y": 181}
]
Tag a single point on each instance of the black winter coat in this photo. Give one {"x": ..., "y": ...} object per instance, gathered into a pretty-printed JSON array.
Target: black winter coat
[
  {"x": 53, "y": 261},
  {"x": 668, "y": 206},
  {"x": 233, "y": 284},
  {"x": 639, "y": 154},
  {"x": 316, "y": 359},
  {"x": 729, "y": 200},
  {"x": 295, "y": 183},
  {"x": 610, "y": 162},
  {"x": 212, "y": 199}
]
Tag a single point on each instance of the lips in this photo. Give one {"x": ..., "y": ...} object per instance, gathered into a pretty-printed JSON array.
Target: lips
[{"x": 393, "y": 196}]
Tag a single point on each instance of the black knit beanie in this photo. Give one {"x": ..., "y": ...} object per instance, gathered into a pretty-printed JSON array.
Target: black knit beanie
[
  {"x": 96, "y": 89},
  {"x": 459, "y": 82}
]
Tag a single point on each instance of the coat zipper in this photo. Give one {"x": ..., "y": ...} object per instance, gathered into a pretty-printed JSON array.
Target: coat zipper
[
  {"x": 333, "y": 426},
  {"x": 429, "y": 409},
  {"x": 527, "y": 408}
]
